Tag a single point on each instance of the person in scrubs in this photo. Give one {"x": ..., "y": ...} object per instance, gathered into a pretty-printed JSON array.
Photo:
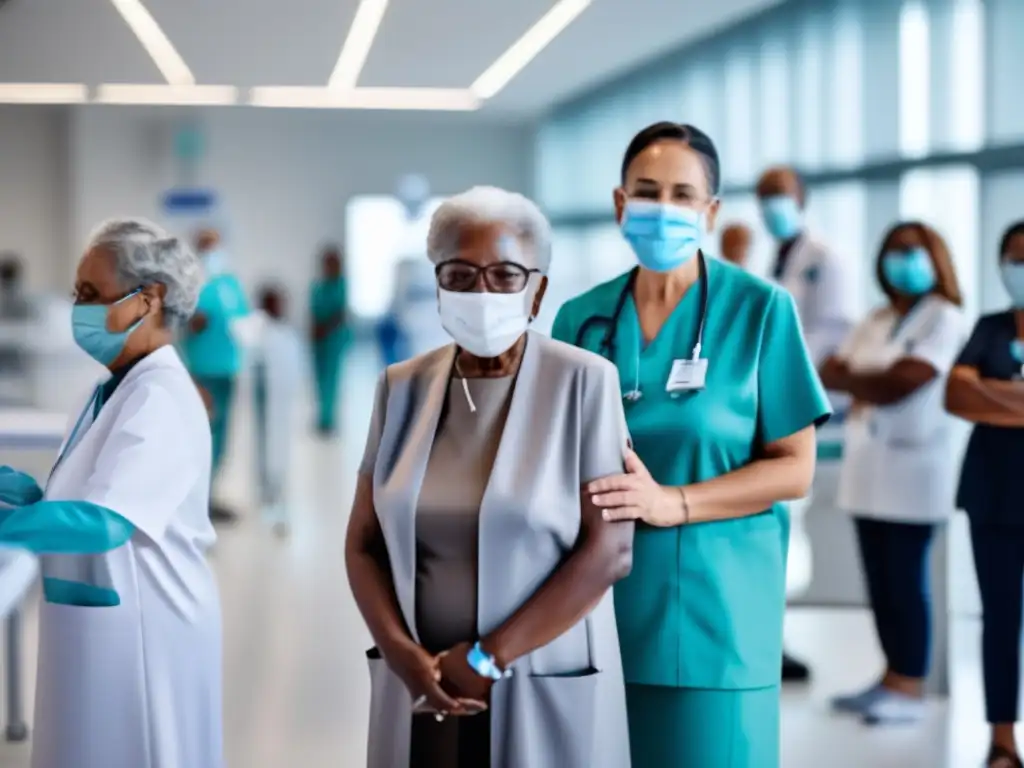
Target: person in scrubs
[
  {"x": 129, "y": 665},
  {"x": 735, "y": 244},
  {"x": 211, "y": 349},
  {"x": 899, "y": 455},
  {"x": 329, "y": 306},
  {"x": 818, "y": 281},
  {"x": 721, "y": 400},
  {"x": 986, "y": 387},
  {"x": 280, "y": 374}
]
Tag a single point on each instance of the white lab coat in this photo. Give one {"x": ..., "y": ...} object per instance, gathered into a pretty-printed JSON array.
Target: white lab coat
[
  {"x": 824, "y": 296},
  {"x": 284, "y": 368},
  {"x": 137, "y": 685},
  {"x": 899, "y": 461}
]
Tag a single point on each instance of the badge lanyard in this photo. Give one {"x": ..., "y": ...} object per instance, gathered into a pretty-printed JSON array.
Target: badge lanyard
[{"x": 689, "y": 373}]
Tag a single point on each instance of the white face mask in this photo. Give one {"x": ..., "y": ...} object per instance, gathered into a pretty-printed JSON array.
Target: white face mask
[{"x": 485, "y": 324}]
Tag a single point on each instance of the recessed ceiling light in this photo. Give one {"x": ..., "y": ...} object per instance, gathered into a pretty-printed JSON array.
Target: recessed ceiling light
[
  {"x": 157, "y": 45},
  {"x": 440, "y": 99},
  {"x": 523, "y": 50},
  {"x": 43, "y": 93},
  {"x": 358, "y": 43},
  {"x": 195, "y": 95}
]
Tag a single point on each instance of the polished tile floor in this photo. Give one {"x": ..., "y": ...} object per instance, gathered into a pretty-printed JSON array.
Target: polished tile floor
[{"x": 297, "y": 689}]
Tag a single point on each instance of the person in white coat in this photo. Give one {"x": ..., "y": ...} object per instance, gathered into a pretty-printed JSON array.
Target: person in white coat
[
  {"x": 816, "y": 278},
  {"x": 280, "y": 373},
  {"x": 129, "y": 665},
  {"x": 899, "y": 460}
]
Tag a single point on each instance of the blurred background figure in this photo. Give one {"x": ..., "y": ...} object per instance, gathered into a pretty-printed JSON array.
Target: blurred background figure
[
  {"x": 986, "y": 388},
  {"x": 328, "y": 307},
  {"x": 280, "y": 375},
  {"x": 15, "y": 341},
  {"x": 415, "y": 307},
  {"x": 899, "y": 460},
  {"x": 814, "y": 277},
  {"x": 212, "y": 349},
  {"x": 735, "y": 244}
]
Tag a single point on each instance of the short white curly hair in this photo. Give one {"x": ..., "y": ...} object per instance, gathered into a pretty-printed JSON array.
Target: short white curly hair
[
  {"x": 490, "y": 205},
  {"x": 145, "y": 254}
]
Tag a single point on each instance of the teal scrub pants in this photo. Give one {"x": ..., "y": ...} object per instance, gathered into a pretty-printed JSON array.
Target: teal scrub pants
[
  {"x": 327, "y": 363},
  {"x": 697, "y": 728},
  {"x": 222, "y": 392}
]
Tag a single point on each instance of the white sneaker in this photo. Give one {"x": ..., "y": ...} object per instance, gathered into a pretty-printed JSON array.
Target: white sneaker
[
  {"x": 857, "y": 703},
  {"x": 892, "y": 708}
]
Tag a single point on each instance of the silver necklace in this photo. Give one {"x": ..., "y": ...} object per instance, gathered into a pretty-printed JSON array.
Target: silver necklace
[{"x": 465, "y": 386}]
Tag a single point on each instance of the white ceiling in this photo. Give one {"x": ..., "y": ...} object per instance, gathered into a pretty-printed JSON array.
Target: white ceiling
[{"x": 439, "y": 43}]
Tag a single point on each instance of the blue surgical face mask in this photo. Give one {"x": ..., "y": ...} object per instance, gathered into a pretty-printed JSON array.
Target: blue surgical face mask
[
  {"x": 782, "y": 216},
  {"x": 1013, "y": 279},
  {"x": 215, "y": 262},
  {"x": 909, "y": 272},
  {"x": 662, "y": 236},
  {"x": 89, "y": 325}
]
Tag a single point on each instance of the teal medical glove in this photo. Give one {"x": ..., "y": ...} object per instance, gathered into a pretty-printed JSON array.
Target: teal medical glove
[
  {"x": 65, "y": 528},
  {"x": 18, "y": 489}
]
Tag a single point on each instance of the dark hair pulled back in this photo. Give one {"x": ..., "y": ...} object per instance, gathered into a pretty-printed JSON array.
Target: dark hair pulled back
[{"x": 689, "y": 135}]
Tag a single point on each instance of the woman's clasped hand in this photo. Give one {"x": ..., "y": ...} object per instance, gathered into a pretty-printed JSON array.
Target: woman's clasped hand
[
  {"x": 635, "y": 495},
  {"x": 438, "y": 678}
]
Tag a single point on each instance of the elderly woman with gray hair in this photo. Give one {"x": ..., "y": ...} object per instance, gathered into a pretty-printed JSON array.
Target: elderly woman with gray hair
[
  {"x": 130, "y": 642},
  {"x": 478, "y": 561}
]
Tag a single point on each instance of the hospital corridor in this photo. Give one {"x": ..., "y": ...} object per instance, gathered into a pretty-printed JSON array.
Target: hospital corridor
[
  {"x": 534, "y": 384},
  {"x": 296, "y": 687}
]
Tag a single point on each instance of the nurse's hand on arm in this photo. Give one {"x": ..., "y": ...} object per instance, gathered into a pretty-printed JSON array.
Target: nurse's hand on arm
[
  {"x": 18, "y": 489},
  {"x": 603, "y": 553},
  {"x": 198, "y": 323},
  {"x": 369, "y": 574},
  {"x": 791, "y": 402}
]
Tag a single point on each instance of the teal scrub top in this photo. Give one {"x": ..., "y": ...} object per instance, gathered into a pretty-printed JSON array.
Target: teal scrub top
[
  {"x": 703, "y": 605},
  {"x": 214, "y": 352},
  {"x": 326, "y": 299}
]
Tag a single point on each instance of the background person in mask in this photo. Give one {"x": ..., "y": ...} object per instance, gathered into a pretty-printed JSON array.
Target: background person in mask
[
  {"x": 473, "y": 493},
  {"x": 328, "y": 303},
  {"x": 211, "y": 346},
  {"x": 986, "y": 387},
  {"x": 899, "y": 455},
  {"x": 816, "y": 279},
  {"x": 735, "y": 244},
  {"x": 721, "y": 401},
  {"x": 123, "y": 528}
]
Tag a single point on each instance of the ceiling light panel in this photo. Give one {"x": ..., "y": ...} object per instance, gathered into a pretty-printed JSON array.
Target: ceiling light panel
[
  {"x": 156, "y": 43},
  {"x": 428, "y": 99},
  {"x": 526, "y": 48},
  {"x": 358, "y": 42},
  {"x": 43, "y": 93},
  {"x": 447, "y": 47},
  {"x": 168, "y": 95}
]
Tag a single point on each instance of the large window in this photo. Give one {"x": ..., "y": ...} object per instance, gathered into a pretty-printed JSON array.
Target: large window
[
  {"x": 377, "y": 237},
  {"x": 915, "y": 81}
]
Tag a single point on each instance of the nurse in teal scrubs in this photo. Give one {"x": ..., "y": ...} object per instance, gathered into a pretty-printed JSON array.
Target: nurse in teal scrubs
[
  {"x": 328, "y": 304},
  {"x": 722, "y": 402},
  {"x": 212, "y": 353}
]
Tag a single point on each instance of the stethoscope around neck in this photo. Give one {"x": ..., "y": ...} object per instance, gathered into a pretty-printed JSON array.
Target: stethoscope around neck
[{"x": 607, "y": 347}]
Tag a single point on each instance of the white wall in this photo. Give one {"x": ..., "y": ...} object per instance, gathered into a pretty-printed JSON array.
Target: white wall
[
  {"x": 284, "y": 176},
  {"x": 34, "y": 197}
]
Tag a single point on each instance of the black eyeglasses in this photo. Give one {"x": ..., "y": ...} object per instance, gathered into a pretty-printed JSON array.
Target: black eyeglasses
[{"x": 502, "y": 277}]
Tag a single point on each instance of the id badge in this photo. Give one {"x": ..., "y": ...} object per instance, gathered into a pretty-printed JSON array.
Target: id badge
[{"x": 687, "y": 375}]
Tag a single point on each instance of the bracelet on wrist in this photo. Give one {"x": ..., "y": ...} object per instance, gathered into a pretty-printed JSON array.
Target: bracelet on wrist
[
  {"x": 686, "y": 505},
  {"x": 484, "y": 663}
]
